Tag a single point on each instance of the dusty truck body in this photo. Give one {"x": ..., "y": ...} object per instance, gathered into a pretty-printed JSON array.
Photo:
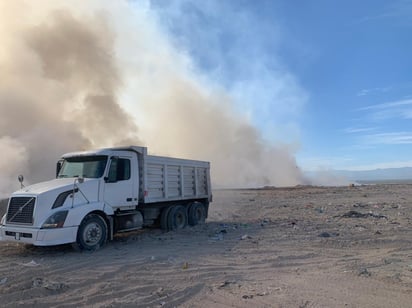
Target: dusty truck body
[{"x": 97, "y": 194}]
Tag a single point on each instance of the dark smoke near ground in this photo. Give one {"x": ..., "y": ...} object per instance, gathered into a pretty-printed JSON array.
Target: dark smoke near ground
[{"x": 63, "y": 77}]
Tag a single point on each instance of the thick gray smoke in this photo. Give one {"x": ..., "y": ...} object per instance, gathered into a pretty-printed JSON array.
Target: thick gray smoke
[{"x": 76, "y": 77}]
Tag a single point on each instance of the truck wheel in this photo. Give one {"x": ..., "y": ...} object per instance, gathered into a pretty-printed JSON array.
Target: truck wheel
[
  {"x": 92, "y": 233},
  {"x": 177, "y": 218},
  {"x": 197, "y": 214},
  {"x": 164, "y": 218}
]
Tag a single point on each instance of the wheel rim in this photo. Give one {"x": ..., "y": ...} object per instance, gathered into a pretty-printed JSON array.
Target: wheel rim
[
  {"x": 180, "y": 220},
  {"x": 92, "y": 233},
  {"x": 199, "y": 214},
  {"x": 177, "y": 218}
]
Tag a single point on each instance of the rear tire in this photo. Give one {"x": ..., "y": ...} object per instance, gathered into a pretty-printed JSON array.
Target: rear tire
[
  {"x": 92, "y": 233},
  {"x": 177, "y": 218},
  {"x": 164, "y": 225},
  {"x": 197, "y": 214}
]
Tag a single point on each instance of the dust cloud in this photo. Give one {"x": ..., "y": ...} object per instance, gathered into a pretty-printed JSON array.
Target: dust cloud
[{"x": 82, "y": 75}]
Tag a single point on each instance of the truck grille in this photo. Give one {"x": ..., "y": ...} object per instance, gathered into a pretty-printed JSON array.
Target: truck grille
[{"x": 21, "y": 210}]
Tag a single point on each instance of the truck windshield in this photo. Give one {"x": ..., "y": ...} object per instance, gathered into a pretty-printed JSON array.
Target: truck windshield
[{"x": 84, "y": 166}]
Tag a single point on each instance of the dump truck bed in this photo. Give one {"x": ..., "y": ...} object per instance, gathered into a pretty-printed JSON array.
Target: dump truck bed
[{"x": 168, "y": 179}]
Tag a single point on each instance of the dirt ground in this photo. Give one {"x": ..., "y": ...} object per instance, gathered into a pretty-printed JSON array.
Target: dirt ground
[{"x": 280, "y": 247}]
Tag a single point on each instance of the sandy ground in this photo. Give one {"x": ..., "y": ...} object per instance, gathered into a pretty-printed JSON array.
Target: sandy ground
[{"x": 295, "y": 247}]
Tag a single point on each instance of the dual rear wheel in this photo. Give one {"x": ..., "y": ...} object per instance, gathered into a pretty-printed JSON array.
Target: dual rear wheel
[{"x": 177, "y": 217}]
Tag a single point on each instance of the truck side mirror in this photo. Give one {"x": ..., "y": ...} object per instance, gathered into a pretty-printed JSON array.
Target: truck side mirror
[
  {"x": 59, "y": 166},
  {"x": 21, "y": 179}
]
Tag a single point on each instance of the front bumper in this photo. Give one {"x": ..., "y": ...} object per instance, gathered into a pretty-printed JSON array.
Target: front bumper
[{"x": 38, "y": 237}]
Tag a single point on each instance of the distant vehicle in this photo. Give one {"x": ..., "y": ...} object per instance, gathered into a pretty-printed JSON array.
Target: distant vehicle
[{"x": 99, "y": 193}]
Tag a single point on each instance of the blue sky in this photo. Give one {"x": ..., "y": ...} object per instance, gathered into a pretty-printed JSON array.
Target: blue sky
[{"x": 331, "y": 78}]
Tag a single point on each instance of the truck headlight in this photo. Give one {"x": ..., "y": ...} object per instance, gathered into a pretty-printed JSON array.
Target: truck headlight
[{"x": 56, "y": 220}]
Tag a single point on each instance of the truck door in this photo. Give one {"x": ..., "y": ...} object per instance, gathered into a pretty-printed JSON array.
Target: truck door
[{"x": 120, "y": 180}]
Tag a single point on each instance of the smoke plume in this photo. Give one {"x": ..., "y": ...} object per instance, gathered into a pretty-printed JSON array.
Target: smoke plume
[{"x": 82, "y": 75}]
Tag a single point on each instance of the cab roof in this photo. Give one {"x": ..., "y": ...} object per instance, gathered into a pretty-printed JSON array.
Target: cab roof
[{"x": 106, "y": 151}]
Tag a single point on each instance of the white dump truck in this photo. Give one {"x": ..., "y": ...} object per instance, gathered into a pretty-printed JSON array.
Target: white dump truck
[{"x": 99, "y": 193}]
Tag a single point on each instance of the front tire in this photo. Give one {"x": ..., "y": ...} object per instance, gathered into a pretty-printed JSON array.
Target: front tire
[{"x": 92, "y": 233}]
